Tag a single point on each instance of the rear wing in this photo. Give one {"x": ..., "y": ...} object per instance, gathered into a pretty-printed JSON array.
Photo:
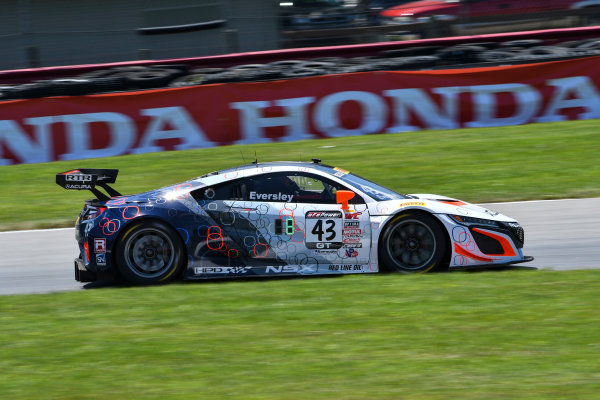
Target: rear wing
[{"x": 88, "y": 179}]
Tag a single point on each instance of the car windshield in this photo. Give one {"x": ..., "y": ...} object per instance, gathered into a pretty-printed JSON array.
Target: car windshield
[{"x": 378, "y": 192}]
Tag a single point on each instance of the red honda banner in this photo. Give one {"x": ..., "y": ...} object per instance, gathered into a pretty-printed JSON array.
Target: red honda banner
[{"x": 70, "y": 128}]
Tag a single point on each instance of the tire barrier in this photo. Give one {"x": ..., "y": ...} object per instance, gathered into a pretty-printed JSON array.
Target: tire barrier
[{"x": 475, "y": 54}]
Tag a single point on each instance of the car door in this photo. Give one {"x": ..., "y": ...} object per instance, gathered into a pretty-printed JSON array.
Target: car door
[{"x": 308, "y": 231}]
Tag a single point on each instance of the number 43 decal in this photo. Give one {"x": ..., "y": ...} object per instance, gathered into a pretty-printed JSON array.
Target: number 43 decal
[
  {"x": 324, "y": 227},
  {"x": 329, "y": 231}
]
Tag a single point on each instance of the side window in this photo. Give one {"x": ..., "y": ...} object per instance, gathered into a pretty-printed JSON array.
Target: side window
[
  {"x": 295, "y": 188},
  {"x": 234, "y": 190}
]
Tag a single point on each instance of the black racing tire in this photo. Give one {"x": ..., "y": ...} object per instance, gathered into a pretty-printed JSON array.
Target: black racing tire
[
  {"x": 107, "y": 85},
  {"x": 496, "y": 56},
  {"x": 302, "y": 72},
  {"x": 413, "y": 242},
  {"x": 6, "y": 92},
  {"x": 149, "y": 252},
  {"x": 152, "y": 78},
  {"x": 419, "y": 62},
  {"x": 207, "y": 71},
  {"x": 410, "y": 51},
  {"x": 70, "y": 87},
  {"x": 461, "y": 53},
  {"x": 188, "y": 80},
  {"x": 32, "y": 90},
  {"x": 546, "y": 51},
  {"x": 590, "y": 45},
  {"x": 523, "y": 43}
]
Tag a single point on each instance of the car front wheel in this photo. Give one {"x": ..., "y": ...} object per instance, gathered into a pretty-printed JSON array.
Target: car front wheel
[{"x": 412, "y": 242}]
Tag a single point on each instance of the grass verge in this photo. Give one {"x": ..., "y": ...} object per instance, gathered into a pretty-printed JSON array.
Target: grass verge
[
  {"x": 490, "y": 335},
  {"x": 537, "y": 161}
]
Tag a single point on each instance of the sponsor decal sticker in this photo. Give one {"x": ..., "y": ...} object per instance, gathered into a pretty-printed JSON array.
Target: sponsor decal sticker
[
  {"x": 99, "y": 245},
  {"x": 101, "y": 259},
  {"x": 348, "y": 224},
  {"x": 353, "y": 245},
  {"x": 324, "y": 214},
  {"x": 345, "y": 267},
  {"x": 351, "y": 252},
  {"x": 79, "y": 178},
  {"x": 352, "y": 240},
  {"x": 354, "y": 215},
  {"x": 412, "y": 204},
  {"x": 78, "y": 186},
  {"x": 323, "y": 245},
  {"x": 320, "y": 251},
  {"x": 352, "y": 232},
  {"x": 221, "y": 270},
  {"x": 340, "y": 172},
  {"x": 271, "y": 196}
]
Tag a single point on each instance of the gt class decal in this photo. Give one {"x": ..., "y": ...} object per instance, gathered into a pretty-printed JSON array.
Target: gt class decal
[{"x": 324, "y": 229}]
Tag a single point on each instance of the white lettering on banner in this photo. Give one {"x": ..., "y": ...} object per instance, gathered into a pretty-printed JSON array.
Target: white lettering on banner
[
  {"x": 121, "y": 130},
  {"x": 374, "y": 113},
  {"x": 25, "y": 149},
  {"x": 185, "y": 128},
  {"x": 417, "y": 100},
  {"x": 34, "y": 140},
  {"x": 585, "y": 95},
  {"x": 253, "y": 124},
  {"x": 527, "y": 100}
]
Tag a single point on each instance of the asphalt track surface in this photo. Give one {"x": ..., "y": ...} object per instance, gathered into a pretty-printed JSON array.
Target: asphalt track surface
[{"x": 560, "y": 234}]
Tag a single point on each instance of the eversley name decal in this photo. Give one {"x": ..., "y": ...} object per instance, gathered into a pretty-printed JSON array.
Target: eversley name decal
[{"x": 271, "y": 196}]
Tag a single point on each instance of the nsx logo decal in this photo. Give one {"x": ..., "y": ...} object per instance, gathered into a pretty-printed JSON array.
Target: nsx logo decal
[
  {"x": 79, "y": 178},
  {"x": 291, "y": 269}
]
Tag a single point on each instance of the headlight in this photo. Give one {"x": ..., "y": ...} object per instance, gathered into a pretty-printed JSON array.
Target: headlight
[{"x": 461, "y": 219}]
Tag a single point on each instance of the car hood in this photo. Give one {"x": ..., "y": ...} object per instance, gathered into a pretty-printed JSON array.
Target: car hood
[
  {"x": 438, "y": 205},
  {"x": 418, "y": 8}
]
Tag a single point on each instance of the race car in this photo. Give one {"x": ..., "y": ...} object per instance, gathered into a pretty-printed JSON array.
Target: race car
[{"x": 279, "y": 218}]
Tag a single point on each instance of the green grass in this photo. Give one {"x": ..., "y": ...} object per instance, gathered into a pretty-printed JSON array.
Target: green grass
[
  {"x": 537, "y": 161},
  {"x": 514, "y": 334}
]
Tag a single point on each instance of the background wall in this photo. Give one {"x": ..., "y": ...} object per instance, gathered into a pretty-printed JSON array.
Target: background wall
[{"x": 38, "y": 33}]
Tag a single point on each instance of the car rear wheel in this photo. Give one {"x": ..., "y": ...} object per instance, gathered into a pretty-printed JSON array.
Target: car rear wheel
[
  {"x": 149, "y": 252},
  {"x": 412, "y": 242}
]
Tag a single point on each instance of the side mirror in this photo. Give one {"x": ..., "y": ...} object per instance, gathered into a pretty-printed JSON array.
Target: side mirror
[{"x": 343, "y": 197}]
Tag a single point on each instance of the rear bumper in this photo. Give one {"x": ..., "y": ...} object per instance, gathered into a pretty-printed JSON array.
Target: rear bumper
[{"x": 82, "y": 274}]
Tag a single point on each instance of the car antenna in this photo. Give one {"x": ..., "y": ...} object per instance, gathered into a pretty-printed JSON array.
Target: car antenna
[{"x": 255, "y": 159}]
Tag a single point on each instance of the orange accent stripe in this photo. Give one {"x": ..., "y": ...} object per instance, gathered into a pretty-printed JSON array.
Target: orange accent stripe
[
  {"x": 508, "y": 250},
  {"x": 466, "y": 253},
  {"x": 454, "y": 203}
]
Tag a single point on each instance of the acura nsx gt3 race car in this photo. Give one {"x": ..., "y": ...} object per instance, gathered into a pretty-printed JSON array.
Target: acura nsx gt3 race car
[{"x": 279, "y": 218}]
